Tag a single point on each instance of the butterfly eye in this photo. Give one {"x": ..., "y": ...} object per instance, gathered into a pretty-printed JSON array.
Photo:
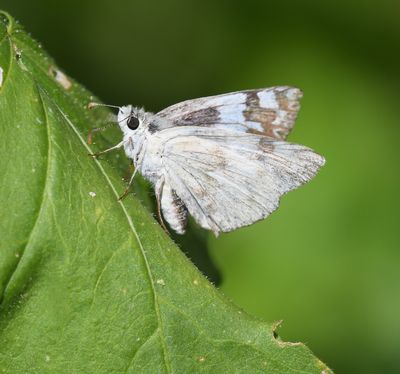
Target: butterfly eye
[{"x": 133, "y": 123}]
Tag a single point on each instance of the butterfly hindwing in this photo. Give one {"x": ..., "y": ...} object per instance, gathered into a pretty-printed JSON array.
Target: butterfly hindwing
[
  {"x": 173, "y": 209},
  {"x": 229, "y": 180}
]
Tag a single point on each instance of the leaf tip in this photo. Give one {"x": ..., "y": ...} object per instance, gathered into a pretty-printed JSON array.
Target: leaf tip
[
  {"x": 7, "y": 20},
  {"x": 9, "y": 23}
]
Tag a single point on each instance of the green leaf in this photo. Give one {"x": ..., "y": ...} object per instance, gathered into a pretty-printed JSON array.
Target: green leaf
[{"x": 89, "y": 284}]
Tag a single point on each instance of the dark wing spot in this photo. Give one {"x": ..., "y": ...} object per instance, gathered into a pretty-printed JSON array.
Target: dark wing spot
[
  {"x": 266, "y": 144},
  {"x": 180, "y": 209},
  {"x": 152, "y": 128},
  {"x": 206, "y": 116},
  {"x": 288, "y": 108}
]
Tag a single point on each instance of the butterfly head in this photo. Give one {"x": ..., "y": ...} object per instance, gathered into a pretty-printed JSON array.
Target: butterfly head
[{"x": 131, "y": 119}]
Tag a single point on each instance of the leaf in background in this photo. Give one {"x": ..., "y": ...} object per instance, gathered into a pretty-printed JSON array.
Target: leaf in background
[{"x": 87, "y": 284}]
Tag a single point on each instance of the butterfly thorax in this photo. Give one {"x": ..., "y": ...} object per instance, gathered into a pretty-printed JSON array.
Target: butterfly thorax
[{"x": 144, "y": 147}]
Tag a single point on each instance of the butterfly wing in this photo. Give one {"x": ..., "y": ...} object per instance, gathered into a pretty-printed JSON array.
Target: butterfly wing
[
  {"x": 269, "y": 111},
  {"x": 228, "y": 179}
]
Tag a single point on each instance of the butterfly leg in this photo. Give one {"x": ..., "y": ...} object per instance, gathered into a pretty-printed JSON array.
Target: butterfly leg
[
  {"x": 126, "y": 191},
  {"x": 158, "y": 190},
  {"x": 137, "y": 166},
  {"x": 119, "y": 145}
]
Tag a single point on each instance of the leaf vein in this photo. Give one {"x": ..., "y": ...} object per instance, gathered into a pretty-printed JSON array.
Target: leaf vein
[{"x": 154, "y": 333}]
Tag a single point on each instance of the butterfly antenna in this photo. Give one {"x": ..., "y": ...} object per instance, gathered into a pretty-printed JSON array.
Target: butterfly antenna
[
  {"x": 93, "y": 105},
  {"x": 96, "y": 129}
]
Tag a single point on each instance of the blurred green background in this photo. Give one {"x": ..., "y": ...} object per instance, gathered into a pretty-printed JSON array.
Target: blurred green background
[{"x": 328, "y": 261}]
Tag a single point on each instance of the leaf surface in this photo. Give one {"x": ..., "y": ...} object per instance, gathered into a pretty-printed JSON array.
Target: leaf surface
[{"x": 89, "y": 284}]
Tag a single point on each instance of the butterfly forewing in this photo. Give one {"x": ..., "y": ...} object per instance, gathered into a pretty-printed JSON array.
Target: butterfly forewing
[{"x": 270, "y": 112}]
